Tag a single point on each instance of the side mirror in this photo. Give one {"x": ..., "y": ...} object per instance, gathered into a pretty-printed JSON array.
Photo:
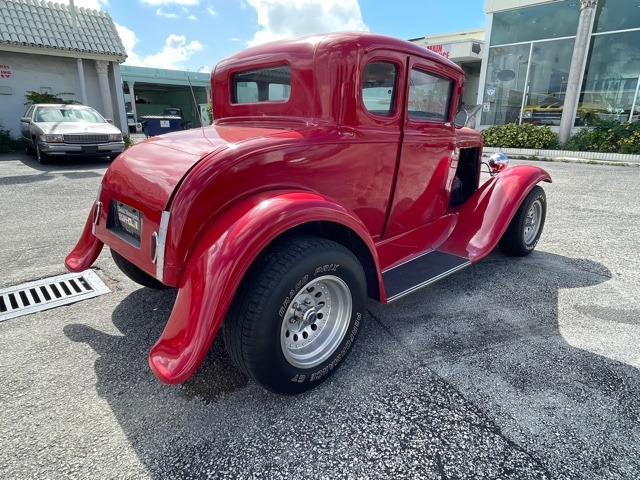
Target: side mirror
[
  {"x": 461, "y": 118},
  {"x": 109, "y": 120},
  {"x": 26, "y": 119},
  {"x": 498, "y": 162}
]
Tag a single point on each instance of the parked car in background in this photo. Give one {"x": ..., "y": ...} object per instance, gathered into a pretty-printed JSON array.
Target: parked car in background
[
  {"x": 60, "y": 130},
  {"x": 336, "y": 169},
  {"x": 548, "y": 110}
]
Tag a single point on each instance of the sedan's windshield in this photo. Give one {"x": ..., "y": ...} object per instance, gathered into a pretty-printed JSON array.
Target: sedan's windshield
[{"x": 52, "y": 114}]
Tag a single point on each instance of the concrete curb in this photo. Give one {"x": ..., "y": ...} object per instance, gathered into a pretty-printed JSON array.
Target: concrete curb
[{"x": 568, "y": 156}]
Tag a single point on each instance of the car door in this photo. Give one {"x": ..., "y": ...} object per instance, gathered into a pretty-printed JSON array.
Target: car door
[
  {"x": 428, "y": 149},
  {"x": 25, "y": 127}
]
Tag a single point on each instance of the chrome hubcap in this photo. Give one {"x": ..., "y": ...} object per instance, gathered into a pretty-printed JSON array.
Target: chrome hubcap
[
  {"x": 532, "y": 222},
  {"x": 316, "y": 321}
]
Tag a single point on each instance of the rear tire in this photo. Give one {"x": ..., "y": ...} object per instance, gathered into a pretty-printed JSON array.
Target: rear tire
[
  {"x": 136, "y": 274},
  {"x": 296, "y": 314},
  {"x": 523, "y": 233}
]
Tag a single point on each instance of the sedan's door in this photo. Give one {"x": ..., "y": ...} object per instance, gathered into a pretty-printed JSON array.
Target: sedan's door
[{"x": 25, "y": 127}]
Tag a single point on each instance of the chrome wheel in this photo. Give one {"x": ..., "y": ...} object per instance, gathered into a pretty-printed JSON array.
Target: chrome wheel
[
  {"x": 532, "y": 222},
  {"x": 316, "y": 321}
]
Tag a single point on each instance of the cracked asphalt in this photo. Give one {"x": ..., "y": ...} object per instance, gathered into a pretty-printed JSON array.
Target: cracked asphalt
[{"x": 511, "y": 369}]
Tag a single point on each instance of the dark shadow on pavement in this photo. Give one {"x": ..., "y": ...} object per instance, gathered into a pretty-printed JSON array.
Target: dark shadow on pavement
[{"x": 404, "y": 405}]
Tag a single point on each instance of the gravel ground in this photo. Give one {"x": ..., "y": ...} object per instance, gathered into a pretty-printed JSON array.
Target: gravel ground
[{"x": 513, "y": 368}]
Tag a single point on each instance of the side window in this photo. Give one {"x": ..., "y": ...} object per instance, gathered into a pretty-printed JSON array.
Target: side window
[
  {"x": 271, "y": 84},
  {"x": 379, "y": 87},
  {"x": 429, "y": 96},
  {"x": 28, "y": 112}
]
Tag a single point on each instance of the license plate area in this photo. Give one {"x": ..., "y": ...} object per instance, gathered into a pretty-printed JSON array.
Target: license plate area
[
  {"x": 89, "y": 149},
  {"x": 125, "y": 222}
]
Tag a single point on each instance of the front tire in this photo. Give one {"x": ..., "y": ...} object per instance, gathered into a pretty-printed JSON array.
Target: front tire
[
  {"x": 296, "y": 314},
  {"x": 42, "y": 157},
  {"x": 136, "y": 274},
  {"x": 523, "y": 233}
]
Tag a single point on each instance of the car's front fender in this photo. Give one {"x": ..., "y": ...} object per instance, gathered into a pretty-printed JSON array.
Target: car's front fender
[
  {"x": 485, "y": 216},
  {"x": 219, "y": 262}
]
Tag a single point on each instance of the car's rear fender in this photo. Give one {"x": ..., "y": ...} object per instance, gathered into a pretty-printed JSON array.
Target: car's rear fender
[
  {"x": 484, "y": 217},
  {"x": 88, "y": 247},
  {"x": 220, "y": 260}
]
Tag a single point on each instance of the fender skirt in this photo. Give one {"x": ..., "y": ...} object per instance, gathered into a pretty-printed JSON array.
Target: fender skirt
[
  {"x": 484, "y": 217},
  {"x": 218, "y": 264},
  {"x": 86, "y": 250}
]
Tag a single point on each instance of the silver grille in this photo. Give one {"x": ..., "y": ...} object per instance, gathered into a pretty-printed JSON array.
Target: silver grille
[
  {"x": 86, "y": 138},
  {"x": 49, "y": 293}
]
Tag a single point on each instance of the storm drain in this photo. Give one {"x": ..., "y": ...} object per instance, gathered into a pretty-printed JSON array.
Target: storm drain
[{"x": 49, "y": 293}]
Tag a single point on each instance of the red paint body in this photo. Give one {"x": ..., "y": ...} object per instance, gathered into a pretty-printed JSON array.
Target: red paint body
[{"x": 319, "y": 161}]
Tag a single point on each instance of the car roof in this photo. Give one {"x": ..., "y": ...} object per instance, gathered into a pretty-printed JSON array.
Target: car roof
[
  {"x": 63, "y": 105},
  {"x": 324, "y": 43}
]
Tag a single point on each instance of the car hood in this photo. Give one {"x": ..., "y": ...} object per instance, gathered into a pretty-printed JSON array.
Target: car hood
[
  {"x": 149, "y": 172},
  {"x": 64, "y": 128}
]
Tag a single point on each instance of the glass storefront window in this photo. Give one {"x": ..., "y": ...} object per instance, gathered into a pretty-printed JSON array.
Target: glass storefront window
[
  {"x": 547, "y": 82},
  {"x": 612, "y": 75},
  {"x": 612, "y": 15},
  {"x": 506, "y": 76},
  {"x": 554, "y": 20}
]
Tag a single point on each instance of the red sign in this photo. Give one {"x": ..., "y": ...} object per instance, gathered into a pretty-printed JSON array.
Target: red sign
[
  {"x": 442, "y": 50},
  {"x": 5, "y": 71}
]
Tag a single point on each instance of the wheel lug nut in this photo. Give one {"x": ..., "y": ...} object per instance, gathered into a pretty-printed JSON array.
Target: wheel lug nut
[{"x": 307, "y": 301}]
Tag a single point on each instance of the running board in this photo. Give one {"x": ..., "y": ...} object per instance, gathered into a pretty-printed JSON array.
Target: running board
[{"x": 420, "y": 272}]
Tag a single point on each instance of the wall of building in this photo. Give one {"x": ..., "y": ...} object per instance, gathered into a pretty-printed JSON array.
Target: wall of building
[
  {"x": 528, "y": 51},
  {"x": 20, "y": 73}
]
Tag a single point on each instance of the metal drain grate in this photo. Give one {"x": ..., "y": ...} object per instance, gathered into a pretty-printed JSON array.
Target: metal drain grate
[{"x": 49, "y": 293}]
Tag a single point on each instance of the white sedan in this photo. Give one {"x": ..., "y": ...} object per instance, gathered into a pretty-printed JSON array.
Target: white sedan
[{"x": 59, "y": 130}]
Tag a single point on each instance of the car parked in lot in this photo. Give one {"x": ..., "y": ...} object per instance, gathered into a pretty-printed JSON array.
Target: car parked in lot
[
  {"x": 59, "y": 130},
  {"x": 336, "y": 169}
]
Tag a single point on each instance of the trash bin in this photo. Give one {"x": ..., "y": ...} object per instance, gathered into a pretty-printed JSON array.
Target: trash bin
[{"x": 159, "y": 124}]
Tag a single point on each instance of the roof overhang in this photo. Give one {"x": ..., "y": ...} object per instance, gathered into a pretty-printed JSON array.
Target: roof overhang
[{"x": 58, "y": 52}]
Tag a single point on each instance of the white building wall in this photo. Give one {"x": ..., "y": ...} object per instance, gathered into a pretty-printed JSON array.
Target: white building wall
[
  {"x": 491, "y": 6},
  {"x": 45, "y": 73}
]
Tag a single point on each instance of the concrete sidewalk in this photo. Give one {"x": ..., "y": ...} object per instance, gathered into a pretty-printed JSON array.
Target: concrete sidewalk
[{"x": 568, "y": 156}]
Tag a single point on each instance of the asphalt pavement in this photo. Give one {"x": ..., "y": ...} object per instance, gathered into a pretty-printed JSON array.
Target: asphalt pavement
[{"x": 513, "y": 368}]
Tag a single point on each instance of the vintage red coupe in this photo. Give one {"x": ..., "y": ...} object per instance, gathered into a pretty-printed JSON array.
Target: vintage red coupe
[{"x": 336, "y": 169}]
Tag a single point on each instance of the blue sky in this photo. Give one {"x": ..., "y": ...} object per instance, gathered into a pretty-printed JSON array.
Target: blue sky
[{"x": 196, "y": 34}]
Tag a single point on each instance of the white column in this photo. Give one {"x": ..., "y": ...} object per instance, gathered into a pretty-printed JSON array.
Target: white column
[
  {"x": 132, "y": 96},
  {"x": 83, "y": 86},
  {"x": 121, "y": 115},
  {"x": 576, "y": 71},
  {"x": 102, "y": 67}
]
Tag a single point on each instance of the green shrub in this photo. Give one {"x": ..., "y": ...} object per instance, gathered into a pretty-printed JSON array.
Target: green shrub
[
  {"x": 526, "y": 135},
  {"x": 607, "y": 136},
  {"x": 8, "y": 143},
  {"x": 38, "y": 97}
]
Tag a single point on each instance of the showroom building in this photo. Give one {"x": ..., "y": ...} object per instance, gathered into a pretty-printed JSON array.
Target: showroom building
[{"x": 527, "y": 57}]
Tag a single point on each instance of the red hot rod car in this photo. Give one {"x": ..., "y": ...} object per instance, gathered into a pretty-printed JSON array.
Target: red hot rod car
[{"x": 336, "y": 169}]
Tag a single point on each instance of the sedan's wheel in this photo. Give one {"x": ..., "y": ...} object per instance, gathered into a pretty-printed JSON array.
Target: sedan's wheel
[
  {"x": 296, "y": 314},
  {"x": 524, "y": 231},
  {"x": 42, "y": 157}
]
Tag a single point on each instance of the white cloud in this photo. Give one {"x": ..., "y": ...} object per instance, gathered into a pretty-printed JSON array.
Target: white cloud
[
  {"x": 193, "y": 18},
  {"x": 290, "y": 18},
  {"x": 175, "y": 52},
  {"x": 212, "y": 12},
  {"x": 170, "y": 2},
  {"x": 160, "y": 13}
]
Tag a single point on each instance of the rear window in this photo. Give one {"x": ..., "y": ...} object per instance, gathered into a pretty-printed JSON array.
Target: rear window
[{"x": 271, "y": 84}]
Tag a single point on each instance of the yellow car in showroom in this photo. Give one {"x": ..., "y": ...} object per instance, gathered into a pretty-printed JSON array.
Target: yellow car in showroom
[{"x": 549, "y": 110}]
